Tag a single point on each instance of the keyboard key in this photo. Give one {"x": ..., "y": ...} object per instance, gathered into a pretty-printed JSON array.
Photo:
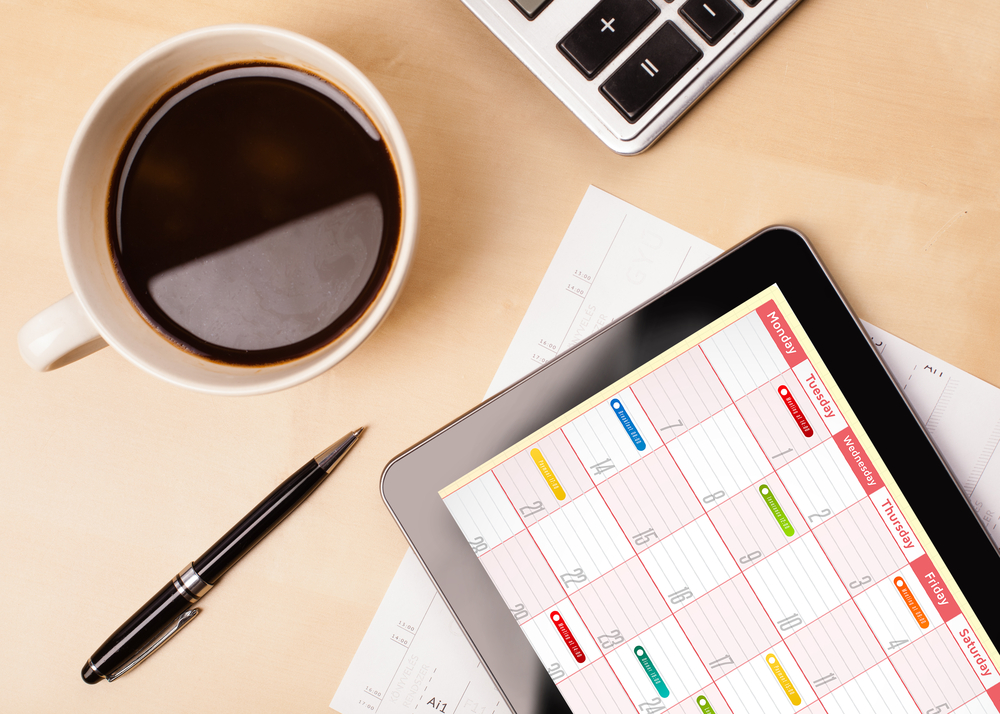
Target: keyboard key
[
  {"x": 530, "y": 8},
  {"x": 604, "y": 31},
  {"x": 651, "y": 71},
  {"x": 711, "y": 18}
]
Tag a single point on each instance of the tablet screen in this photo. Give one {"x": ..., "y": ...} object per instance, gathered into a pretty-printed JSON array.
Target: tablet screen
[{"x": 715, "y": 532}]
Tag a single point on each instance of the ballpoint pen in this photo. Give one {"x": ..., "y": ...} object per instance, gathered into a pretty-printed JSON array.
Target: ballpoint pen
[{"x": 170, "y": 609}]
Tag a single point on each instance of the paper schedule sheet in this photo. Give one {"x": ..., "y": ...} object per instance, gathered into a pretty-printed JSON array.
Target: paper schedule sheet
[
  {"x": 612, "y": 258},
  {"x": 960, "y": 412},
  {"x": 414, "y": 655}
]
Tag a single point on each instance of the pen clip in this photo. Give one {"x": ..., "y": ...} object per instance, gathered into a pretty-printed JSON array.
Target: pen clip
[{"x": 172, "y": 629}]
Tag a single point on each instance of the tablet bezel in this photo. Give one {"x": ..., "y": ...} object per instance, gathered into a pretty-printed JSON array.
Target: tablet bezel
[{"x": 777, "y": 255}]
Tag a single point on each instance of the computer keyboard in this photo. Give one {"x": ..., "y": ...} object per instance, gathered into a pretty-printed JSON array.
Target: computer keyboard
[{"x": 629, "y": 68}]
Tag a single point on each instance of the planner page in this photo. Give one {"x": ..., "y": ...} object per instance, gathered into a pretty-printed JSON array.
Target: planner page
[{"x": 716, "y": 533}]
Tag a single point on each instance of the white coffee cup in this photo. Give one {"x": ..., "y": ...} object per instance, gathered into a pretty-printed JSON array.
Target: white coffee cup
[{"x": 98, "y": 312}]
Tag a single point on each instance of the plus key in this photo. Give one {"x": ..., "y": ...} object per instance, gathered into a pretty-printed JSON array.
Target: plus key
[{"x": 604, "y": 32}]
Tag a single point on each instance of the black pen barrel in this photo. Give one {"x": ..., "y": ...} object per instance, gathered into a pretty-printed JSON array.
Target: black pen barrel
[
  {"x": 139, "y": 629},
  {"x": 170, "y": 609},
  {"x": 164, "y": 607},
  {"x": 214, "y": 563}
]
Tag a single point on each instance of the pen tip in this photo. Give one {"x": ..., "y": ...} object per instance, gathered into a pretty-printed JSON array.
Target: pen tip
[{"x": 331, "y": 455}]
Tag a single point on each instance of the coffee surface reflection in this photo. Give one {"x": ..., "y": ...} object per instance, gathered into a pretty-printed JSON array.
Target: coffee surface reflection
[{"x": 254, "y": 214}]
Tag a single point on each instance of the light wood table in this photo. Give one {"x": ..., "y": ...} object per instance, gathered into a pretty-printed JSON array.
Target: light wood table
[{"x": 872, "y": 127}]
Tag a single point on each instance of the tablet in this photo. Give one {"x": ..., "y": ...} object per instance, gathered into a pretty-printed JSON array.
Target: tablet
[{"x": 719, "y": 503}]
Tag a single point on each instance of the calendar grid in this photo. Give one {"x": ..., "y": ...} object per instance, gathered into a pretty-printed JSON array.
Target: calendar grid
[
  {"x": 708, "y": 515},
  {"x": 844, "y": 584},
  {"x": 870, "y": 499},
  {"x": 595, "y": 487},
  {"x": 632, "y": 553},
  {"x": 782, "y": 639},
  {"x": 665, "y": 444},
  {"x": 636, "y": 555},
  {"x": 567, "y": 595},
  {"x": 743, "y": 573}
]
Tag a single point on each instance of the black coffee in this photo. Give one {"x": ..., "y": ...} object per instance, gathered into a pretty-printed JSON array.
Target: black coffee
[{"x": 254, "y": 214}]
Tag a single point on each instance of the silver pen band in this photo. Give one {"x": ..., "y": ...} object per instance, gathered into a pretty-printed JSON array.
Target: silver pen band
[
  {"x": 190, "y": 585},
  {"x": 95, "y": 670}
]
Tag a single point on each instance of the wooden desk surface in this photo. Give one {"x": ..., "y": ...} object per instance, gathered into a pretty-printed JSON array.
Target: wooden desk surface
[{"x": 872, "y": 127}]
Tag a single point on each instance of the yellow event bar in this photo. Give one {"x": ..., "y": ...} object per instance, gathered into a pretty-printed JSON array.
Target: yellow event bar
[
  {"x": 783, "y": 680},
  {"x": 546, "y": 471}
]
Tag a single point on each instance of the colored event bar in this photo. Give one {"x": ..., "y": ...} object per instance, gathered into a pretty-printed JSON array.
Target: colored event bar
[
  {"x": 776, "y": 510},
  {"x": 654, "y": 676},
  {"x": 548, "y": 474},
  {"x": 626, "y": 421},
  {"x": 568, "y": 638},
  {"x": 783, "y": 680}
]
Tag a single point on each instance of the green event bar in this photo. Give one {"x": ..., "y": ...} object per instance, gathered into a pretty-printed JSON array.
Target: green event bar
[{"x": 779, "y": 515}]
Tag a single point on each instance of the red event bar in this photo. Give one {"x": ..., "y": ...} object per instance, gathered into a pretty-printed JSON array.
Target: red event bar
[
  {"x": 567, "y": 636},
  {"x": 860, "y": 464},
  {"x": 795, "y": 411},
  {"x": 781, "y": 333}
]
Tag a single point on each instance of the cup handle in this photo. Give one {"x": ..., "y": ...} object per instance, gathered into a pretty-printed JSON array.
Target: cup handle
[{"x": 60, "y": 334}]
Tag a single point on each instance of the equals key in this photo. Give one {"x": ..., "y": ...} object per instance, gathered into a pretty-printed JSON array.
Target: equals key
[{"x": 650, "y": 72}]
